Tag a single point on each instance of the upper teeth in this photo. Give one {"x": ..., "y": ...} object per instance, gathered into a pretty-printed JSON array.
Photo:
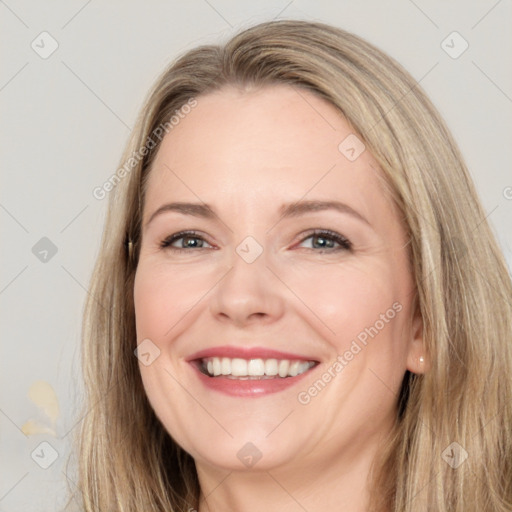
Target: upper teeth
[{"x": 255, "y": 367}]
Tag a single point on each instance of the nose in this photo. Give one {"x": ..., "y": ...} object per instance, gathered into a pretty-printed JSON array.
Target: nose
[{"x": 248, "y": 294}]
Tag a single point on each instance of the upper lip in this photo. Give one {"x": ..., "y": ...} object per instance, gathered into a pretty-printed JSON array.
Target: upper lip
[{"x": 247, "y": 353}]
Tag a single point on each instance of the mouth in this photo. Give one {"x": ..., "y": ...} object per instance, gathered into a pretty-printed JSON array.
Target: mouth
[
  {"x": 249, "y": 371},
  {"x": 253, "y": 369}
]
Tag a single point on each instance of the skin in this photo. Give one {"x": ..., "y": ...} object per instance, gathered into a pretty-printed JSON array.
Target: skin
[{"x": 245, "y": 153}]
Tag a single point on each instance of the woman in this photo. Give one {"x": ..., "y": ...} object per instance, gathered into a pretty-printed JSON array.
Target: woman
[{"x": 320, "y": 313}]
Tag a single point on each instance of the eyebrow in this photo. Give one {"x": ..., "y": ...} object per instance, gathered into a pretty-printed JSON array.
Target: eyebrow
[
  {"x": 303, "y": 207},
  {"x": 194, "y": 209},
  {"x": 295, "y": 209}
]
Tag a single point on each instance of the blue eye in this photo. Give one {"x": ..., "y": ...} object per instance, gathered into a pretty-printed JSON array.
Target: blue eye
[
  {"x": 329, "y": 241},
  {"x": 321, "y": 240},
  {"x": 184, "y": 240}
]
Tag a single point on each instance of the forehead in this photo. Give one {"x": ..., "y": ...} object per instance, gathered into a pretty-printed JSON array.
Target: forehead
[{"x": 273, "y": 144}]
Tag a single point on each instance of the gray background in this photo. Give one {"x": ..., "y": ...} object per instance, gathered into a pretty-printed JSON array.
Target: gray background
[{"x": 65, "y": 119}]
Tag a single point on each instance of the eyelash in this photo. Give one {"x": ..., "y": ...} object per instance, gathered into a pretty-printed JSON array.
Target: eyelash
[{"x": 344, "y": 243}]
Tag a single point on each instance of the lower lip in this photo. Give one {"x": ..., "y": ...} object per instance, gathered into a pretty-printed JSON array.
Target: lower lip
[{"x": 248, "y": 387}]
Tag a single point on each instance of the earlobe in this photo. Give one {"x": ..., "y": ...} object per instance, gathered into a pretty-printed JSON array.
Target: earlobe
[
  {"x": 418, "y": 366},
  {"x": 417, "y": 360}
]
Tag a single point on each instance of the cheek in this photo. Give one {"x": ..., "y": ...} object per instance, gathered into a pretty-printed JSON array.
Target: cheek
[
  {"x": 153, "y": 312},
  {"x": 348, "y": 298},
  {"x": 163, "y": 295},
  {"x": 361, "y": 311}
]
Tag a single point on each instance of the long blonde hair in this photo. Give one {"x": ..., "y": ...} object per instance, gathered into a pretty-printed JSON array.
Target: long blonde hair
[{"x": 128, "y": 462}]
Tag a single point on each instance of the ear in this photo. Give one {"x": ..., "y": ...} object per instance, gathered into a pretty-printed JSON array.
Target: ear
[{"x": 417, "y": 359}]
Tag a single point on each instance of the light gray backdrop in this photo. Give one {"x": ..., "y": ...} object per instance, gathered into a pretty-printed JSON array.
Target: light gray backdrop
[{"x": 72, "y": 79}]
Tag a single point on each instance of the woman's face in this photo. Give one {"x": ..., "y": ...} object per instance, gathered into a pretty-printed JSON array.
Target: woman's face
[{"x": 296, "y": 264}]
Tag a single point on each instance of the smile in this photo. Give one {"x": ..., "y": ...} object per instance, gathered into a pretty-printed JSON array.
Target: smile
[
  {"x": 238, "y": 368},
  {"x": 249, "y": 371}
]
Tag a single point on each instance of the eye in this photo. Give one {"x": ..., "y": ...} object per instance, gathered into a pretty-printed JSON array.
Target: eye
[
  {"x": 326, "y": 240},
  {"x": 184, "y": 240},
  {"x": 322, "y": 240}
]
